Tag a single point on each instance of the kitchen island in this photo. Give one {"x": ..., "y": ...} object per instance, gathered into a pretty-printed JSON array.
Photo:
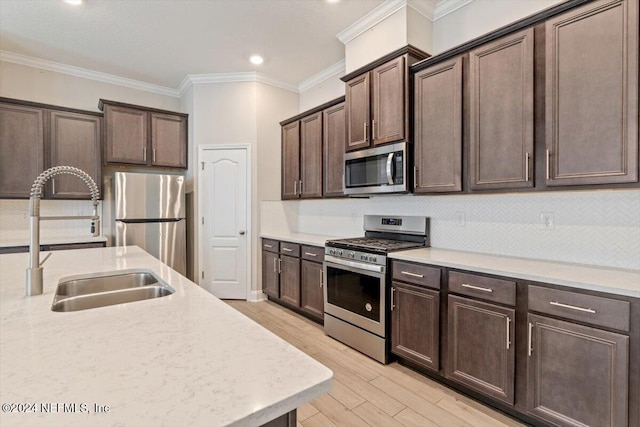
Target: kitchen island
[{"x": 186, "y": 359}]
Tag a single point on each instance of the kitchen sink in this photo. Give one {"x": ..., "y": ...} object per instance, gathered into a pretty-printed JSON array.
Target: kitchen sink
[{"x": 108, "y": 288}]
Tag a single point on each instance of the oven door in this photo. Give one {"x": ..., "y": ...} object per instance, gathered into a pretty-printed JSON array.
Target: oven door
[{"x": 355, "y": 292}]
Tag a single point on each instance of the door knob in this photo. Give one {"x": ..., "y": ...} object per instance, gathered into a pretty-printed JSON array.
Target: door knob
[{"x": 242, "y": 232}]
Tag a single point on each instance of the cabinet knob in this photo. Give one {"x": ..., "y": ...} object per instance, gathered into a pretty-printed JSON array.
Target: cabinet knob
[{"x": 242, "y": 232}]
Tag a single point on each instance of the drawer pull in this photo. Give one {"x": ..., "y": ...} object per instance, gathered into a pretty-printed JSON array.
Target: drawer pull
[
  {"x": 508, "y": 333},
  {"x": 287, "y": 250},
  {"x": 393, "y": 305},
  {"x": 572, "y": 307},
  {"x": 310, "y": 254},
  {"x": 408, "y": 273},
  {"x": 529, "y": 346},
  {"x": 477, "y": 288},
  {"x": 268, "y": 246}
]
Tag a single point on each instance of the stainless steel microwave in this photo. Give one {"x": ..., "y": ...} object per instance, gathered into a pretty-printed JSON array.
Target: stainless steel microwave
[{"x": 377, "y": 170}]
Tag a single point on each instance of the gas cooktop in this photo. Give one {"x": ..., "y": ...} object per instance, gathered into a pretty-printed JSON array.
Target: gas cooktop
[{"x": 378, "y": 245}]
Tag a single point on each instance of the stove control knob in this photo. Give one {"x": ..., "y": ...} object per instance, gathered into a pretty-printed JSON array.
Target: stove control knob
[
  {"x": 340, "y": 252},
  {"x": 363, "y": 257},
  {"x": 372, "y": 259},
  {"x": 332, "y": 251},
  {"x": 352, "y": 254}
]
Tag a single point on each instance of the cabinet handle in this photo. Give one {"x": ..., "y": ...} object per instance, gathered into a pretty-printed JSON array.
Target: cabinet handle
[
  {"x": 154, "y": 155},
  {"x": 508, "y": 332},
  {"x": 321, "y": 278},
  {"x": 548, "y": 164},
  {"x": 572, "y": 307},
  {"x": 300, "y": 187},
  {"x": 144, "y": 154},
  {"x": 477, "y": 288},
  {"x": 366, "y": 137},
  {"x": 268, "y": 246},
  {"x": 275, "y": 269},
  {"x": 529, "y": 347},
  {"x": 393, "y": 305},
  {"x": 279, "y": 266},
  {"x": 373, "y": 130},
  {"x": 295, "y": 187},
  {"x": 408, "y": 273},
  {"x": 53, "y": 184},
  {"x": 526, "y": 166},
  {"x": 310, "y": 254},
  {"x": 415, "y": 177},
  {"x": 287, "y": 250}
]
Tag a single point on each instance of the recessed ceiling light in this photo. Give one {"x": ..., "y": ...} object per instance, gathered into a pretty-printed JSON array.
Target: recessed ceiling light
[
  {"x": 333, "y": 1},
  {"x": 73, "y": 2},
  {"x": 256, "y": 59}
]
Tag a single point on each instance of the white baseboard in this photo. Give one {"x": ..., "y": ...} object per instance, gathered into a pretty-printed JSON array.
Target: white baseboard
[{"x": 256, "y": 296}]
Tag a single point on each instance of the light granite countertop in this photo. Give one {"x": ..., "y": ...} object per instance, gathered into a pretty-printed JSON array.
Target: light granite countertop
[
  {"x": 302, "y": 238},
  {"x": 610, "y": 280},
  {"x": 186, "y": 359}
]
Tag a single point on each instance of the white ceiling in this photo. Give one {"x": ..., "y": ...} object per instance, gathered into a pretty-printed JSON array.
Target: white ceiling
[{"x": 162, "y": 41}]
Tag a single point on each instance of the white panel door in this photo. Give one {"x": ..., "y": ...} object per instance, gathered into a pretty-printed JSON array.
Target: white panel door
[{"x": 224, "y": 230}]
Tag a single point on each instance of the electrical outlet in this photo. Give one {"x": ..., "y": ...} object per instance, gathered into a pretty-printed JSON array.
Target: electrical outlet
[
  {"x": 460, "y": 220},
  {"x": 547, "y": 221}
]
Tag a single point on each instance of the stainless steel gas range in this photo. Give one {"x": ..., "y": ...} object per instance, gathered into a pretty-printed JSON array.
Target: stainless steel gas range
[{"x": 356, "y": 291}]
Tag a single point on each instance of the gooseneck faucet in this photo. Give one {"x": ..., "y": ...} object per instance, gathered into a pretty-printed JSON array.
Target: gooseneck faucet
[{"x": 34, "y": 272}]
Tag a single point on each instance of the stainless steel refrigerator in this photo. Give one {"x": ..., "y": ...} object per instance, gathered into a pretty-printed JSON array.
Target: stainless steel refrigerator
[{"x": 149, "y": 211}]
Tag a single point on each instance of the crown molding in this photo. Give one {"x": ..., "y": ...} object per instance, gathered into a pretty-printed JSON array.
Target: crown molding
[
  {"x": 425, "y": 8},
  {"x": 336, "y": 69},
  {"x": 57, "y": 67},
  {"x": 371, "y": 19},
  {"x": 445, "y": 7},
  {"x": 249, "y": 76}
]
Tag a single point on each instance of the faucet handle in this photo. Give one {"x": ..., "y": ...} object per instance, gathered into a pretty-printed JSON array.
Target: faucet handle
[{"x": 45, "y": 259}]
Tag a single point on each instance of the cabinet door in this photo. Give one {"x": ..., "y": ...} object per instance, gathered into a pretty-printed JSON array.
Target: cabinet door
[
  {"x": 501, "y": 113},
  {"x": 334, "y": 137},
  {"x": 576, "y": 375},
  {"x": 21, "y": 149},
  {"x": 290, "y": 280},
  {"x": 74, "y": 140},
  {"x": 311, "y": 156},
  {"x": 481, "y": 352},
  {"x": 290, "y": 160},
  {"x": 415, "y": 324},
  {"x": 168, "y": 140},
  {"x": 438, "y": 128},
  {"x": 388, "y": 122},
  {"x": 592, "y": 99},
  {"x": 311, "y": 295},
  {"x": 270, "y": 275},
  {"x": 125, "y": 135},
  {"x": 358, "y": 115}
]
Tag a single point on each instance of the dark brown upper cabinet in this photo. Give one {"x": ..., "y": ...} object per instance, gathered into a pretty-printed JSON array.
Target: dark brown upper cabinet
[
  {"x": 74, "y": 140},
  {"x": 334, "y": 137},
  {"x": 136, "y": 135},
  {"x": 592, "y": 94},
  {"x": 376, "y": 106},
  {"x": 34, "y": 137},
  {"x": 438, "y": 128},
  {"x": 501, "y": 113},
  {"x": 377, "y": 100},
  {"x": 21, "y": 148},
  {"x": 311, "y": 156},
  {"x": 302, "y": 158}
]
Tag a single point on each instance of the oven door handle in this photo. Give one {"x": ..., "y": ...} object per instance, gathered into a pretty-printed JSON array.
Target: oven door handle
[
  {"x": 354, "y": 265},
  {"x": 389, "y": 169}
]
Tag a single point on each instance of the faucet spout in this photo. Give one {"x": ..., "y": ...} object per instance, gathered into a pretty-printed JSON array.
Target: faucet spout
[{"x": 35, "y": 271}]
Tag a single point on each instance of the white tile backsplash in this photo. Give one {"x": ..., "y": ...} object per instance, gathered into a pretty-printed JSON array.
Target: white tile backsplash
[
  {"x": 14, "y": 219},
  {"x": 590, "y": 227}
]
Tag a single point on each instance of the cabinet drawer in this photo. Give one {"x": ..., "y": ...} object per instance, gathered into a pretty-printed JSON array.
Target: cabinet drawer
[
  {"x": 313, "y": 253},
  {"x": 487, "y": 288},
  {"x": 270, "y": 245},
  {"x": 417, "y": 274},
  {"x": 291, "y": 249},
  {"x": 590, "y": 309}
]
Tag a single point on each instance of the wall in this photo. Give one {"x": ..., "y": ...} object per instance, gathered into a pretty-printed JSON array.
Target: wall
[
  {"x": 480, "y": 17},
  {"x": 591, "y": 227},
  {"x": 325, "y": 91}
]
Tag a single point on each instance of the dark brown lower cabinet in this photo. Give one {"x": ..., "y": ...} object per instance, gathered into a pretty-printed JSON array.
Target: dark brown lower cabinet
[
  {"x": 576, "y": 375},
  {"x": 290, "y": 280},
  {"x": 311, "y": 292},
  {"x": 270, "y": 275},
  {"x": 481, "y": 350},
  {"x": 415, "y": 324}
]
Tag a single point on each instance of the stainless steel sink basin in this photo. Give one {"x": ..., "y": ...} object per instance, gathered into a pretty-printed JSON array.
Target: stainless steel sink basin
[{"x": 111, "y": 288}]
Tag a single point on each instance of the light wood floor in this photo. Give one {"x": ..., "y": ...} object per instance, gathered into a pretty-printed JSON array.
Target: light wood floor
[{"x": 365, "y": 392}]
